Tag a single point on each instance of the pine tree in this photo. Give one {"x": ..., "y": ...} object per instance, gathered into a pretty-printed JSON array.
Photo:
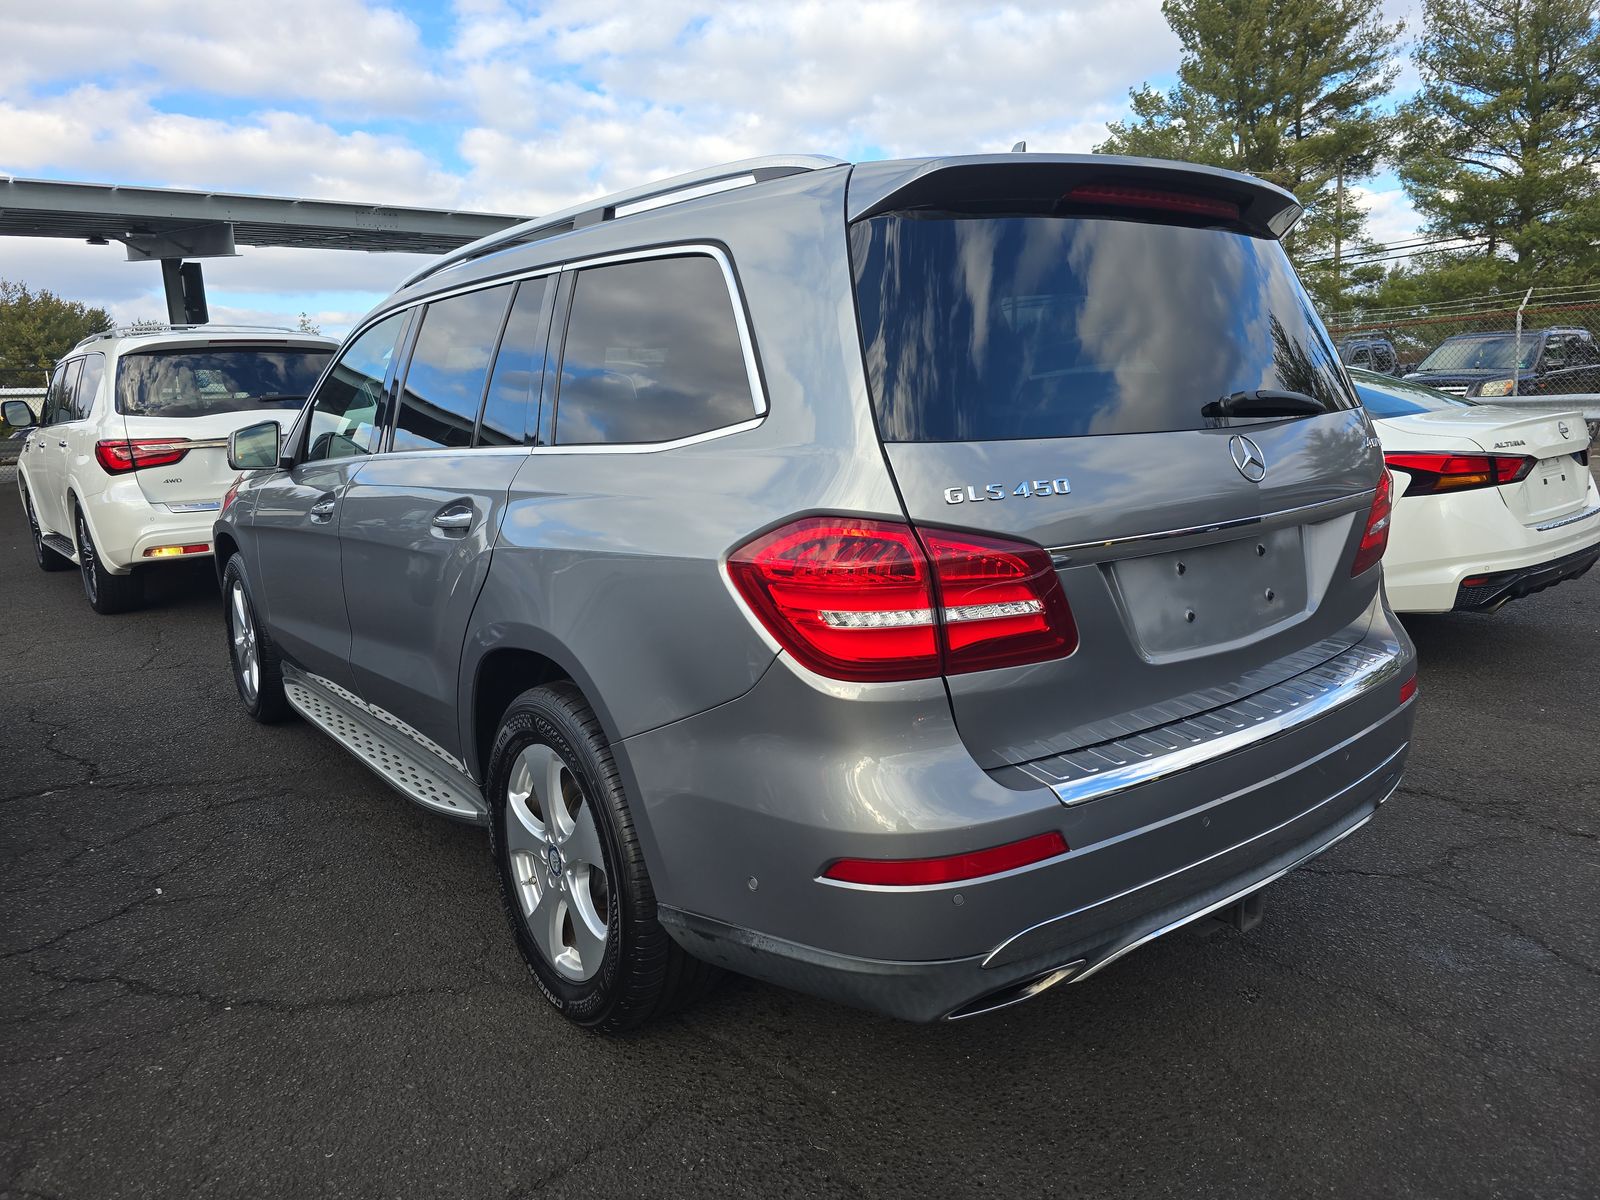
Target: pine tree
[
  {"x": 1501, "y": 145},
  {"x": 1288, "y": 90}
]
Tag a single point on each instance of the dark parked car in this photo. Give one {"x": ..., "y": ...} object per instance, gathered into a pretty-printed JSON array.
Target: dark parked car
[
  {"x": 1377, "y": 355},
  {"x": 851, "y": 576},
  {"x": 1552, "y": 362}
]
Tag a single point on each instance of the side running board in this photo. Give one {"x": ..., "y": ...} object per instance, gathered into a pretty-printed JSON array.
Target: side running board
[{"x": 399, "y": 760}]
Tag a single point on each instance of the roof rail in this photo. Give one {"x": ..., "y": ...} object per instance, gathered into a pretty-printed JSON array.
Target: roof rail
[
  {"x": 659, "y": 194},
  {"x": 151, "y": 328}
]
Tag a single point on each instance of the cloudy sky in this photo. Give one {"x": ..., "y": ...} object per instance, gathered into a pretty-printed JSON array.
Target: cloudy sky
[{"x": 523, "y": 108}]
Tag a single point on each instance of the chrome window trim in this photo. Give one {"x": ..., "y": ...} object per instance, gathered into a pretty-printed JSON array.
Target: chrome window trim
[
  {"x": 1063, "y": 555},
  {"x": 758, "y": 392}
]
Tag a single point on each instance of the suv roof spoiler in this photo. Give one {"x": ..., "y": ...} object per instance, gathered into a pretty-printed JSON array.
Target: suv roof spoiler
[
  {"x": 936, "y": 182},
  {"x": 689, "y": 186}
]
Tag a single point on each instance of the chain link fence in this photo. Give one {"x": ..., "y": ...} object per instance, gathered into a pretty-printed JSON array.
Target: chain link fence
[{"x": 1559, "y": 352}]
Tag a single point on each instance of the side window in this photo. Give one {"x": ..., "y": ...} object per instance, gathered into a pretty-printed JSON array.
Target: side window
[
  {"x": 94, "y": 368},
  {"x": 51, "y": 412},
  {"x": 62, "y": 399},
  {"x": 449, "y": 365},
  {"x": 344, "y": 410},
  {"x": 518, "y": 368},
  {"x": 652, "y": 354},
  {"x": 1361, "y": 358},
  {"x": 1555, "y": 353}
]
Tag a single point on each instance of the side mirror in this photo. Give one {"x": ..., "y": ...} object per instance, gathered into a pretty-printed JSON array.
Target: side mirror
[
  {"x": 18, "y": 415},
  {"x": 255, "y": 447}
]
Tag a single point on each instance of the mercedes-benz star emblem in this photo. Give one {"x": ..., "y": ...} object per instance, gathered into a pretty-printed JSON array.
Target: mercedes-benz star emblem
[{"x": 1248, "y": 458}]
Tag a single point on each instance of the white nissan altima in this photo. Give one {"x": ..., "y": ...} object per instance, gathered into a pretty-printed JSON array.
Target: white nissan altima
[{"x": 1490, "y": 503}]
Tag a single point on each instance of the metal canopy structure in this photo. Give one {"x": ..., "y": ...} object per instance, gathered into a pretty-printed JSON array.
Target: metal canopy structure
[{"x": 170, "y": 225}]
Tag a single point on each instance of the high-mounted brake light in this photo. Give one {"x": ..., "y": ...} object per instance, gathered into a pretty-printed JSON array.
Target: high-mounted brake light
[
  {"x": 1375, "y": 537},
  {"x": 914, "y": 872},
  {"x": 1137, "y": 197},
  {"x": 1432, "y": 473},
  {"x": 122, "y": 455},
  {"x": 876, "y": 600}
]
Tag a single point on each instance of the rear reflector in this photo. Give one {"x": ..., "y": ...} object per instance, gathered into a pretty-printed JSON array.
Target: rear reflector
[
  {"x": 122, "y": 455},
  {"x": 175, "y": 551},
  {"x": 1433, "y": 473},
  {"x": 1408, "y": 689},
  {"x": 1375, "y": 537},
  {"x": 876, "y": 600},
  {"x": 912, "y": 872},
  {"x": 1137, "y": 197}
]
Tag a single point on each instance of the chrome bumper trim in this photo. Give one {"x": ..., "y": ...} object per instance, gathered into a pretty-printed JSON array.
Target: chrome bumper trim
[
  {"x": 1569, "y": 519},
  {"x": 1094, "y": 772},
  {"x": 1322, "y": 510},
  {"x": 1232, "y": 899}
]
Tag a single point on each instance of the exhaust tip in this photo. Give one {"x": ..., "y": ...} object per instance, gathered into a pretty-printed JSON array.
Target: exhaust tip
[{"x": 1016, "y": 993}]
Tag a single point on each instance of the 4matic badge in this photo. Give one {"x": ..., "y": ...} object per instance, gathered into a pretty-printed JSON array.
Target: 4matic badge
[{"x": 975, "y": 492}]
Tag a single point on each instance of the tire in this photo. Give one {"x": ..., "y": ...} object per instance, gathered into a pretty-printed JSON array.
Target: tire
[
  {"x": 107, "y": 593},
  {"x": 257, "y": 666},
  {"x": 47, "y": 558},
  {"x": 550, "y": 759}
]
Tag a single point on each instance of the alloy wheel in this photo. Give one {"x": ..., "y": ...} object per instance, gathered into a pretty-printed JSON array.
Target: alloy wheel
[
  {"x": 562, "y": 888},
  {"x": 87, "y": 561},
  {"x": 246, "y": 654}
]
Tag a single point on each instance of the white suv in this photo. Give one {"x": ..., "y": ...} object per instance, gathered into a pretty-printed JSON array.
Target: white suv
[{"x": 128, "y": 463}]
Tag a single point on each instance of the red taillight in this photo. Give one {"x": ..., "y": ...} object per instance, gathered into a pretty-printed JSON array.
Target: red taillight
[
  {"x": 867, "y": 600},
  {"x": 1431, "y": 473},
  {"x": 911, "y": 872},
  {"x": 1375, "y": 537},
  {"x": 1408, "y": 689},
  {"x": 124, "y": 455},
  {"x": 1000, "y": 602},
  {"x": 1137, "y": 197}
]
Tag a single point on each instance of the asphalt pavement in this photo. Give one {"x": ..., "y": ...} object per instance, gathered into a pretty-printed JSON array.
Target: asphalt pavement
[{"x": 233, "y": 963}]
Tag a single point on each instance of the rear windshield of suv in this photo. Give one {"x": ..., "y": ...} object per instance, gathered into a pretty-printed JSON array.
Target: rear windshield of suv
[
  {"x": 201, "y": 382},
  {"x": 980, "y": 328}
]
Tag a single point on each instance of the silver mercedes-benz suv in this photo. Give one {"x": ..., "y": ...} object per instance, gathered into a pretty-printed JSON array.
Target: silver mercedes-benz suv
[{"x": 917, "y": 583}]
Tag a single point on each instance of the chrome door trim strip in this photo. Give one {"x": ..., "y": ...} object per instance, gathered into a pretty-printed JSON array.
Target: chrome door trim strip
[
  {"x": 1569, "y": 519},
  {"x": 1364, "y": 668},
  {"x": 1062, "y": 555}
]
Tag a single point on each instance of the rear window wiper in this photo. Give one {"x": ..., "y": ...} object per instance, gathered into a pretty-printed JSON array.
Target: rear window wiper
[{"x": 1265, "y": 402}]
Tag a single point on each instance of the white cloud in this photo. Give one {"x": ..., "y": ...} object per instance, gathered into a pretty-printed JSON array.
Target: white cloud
[{"x": 530, "y": 107}]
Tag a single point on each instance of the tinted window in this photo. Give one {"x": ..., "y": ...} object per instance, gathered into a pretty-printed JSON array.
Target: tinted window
[
  {"x": 518, "y": 368},
  {"x": 1491, "y": 352},
  {"x": 449, "y": 364},
  {"x": 344, "y": 417},
  {"x": 202, "y": 382},
  {"x": 55, "y": 406},
  {"x": 94, "y": 369},
  {"x": 1385, "y": 397},
  {"x": 652, "y": 354},
  {"x": 983, "y": 328}
]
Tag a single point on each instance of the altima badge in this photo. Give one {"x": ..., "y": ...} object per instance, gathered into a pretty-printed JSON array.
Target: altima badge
[{"x": 1248, "y": 458}]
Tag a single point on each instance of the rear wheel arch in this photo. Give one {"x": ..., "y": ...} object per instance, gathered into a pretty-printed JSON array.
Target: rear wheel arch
[
  {"x": 223, "y": 547},
  {"x": 502, "y": 675}
]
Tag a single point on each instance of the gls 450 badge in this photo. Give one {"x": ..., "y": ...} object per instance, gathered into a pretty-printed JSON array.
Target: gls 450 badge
[{"x": 975, "y": 492}]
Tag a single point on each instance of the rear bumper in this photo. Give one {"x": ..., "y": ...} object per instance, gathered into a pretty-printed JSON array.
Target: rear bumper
[
  {"x": 1488, "y": 592},
  {"x": 741, "y": 819},
  {"x": 1068, "y": 948},
  {"x": 125, "y": 525}
]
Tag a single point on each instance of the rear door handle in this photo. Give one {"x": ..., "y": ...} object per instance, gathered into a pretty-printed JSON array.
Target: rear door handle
[
  {"x": 454, "y": 518},
  {"x": 323, "y": 508}
]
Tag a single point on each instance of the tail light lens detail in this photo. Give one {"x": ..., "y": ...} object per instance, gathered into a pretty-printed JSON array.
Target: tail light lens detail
[
  {"x": 1433, "y": 473},
  {"x": 1375, "y": 537},
  {"x": 1001, "y": 602},
  {"x": 868, "y": 600},
  {"x": 915, "y": 872},
  {"x": 1408, "y": 689},
  {"x": 121, "y": 455}
]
